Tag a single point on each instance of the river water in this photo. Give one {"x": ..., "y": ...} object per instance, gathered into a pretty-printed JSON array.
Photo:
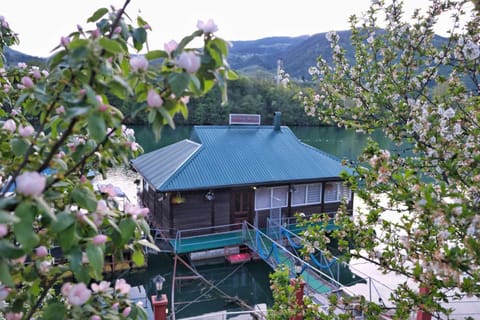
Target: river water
[{"x": 249, "y": 282}]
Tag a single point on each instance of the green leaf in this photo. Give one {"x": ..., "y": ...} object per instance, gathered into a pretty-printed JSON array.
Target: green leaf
[
  {"x": 148, "y": 244},
  {"x": 110, "y": 45},
  {"x": 5, "y": 276},
  {"x": 7, "y": 217},
  {"x": 139, "y": 38},
  {"x": 127, "y": 228},
  {"x": 54, "y": 310},
  {"x": 167, "y": 117},
  {"x": 64, "y": 220},
  {"x": 45, "y": 208},
  {"x": 25, "y": 235},
  {"x": 97, "y": 126},
  {"x": 78, "y": 43},
  {"x": 98, "y": 14},
  {"x": 95, "y": 259},
  {"x": 10, "y": 251},
  {"x": 66, "y": 238},
  {"x": 23, "y": 229},
  {"x": 79, "y": 270},
  {"x": 156, "y": 54},
  {"x": 19, "y": 146},
  {"x": 138, "y": 258},
  {"x": 179, "y": 82},
  {"x": 85, "y": 198}
]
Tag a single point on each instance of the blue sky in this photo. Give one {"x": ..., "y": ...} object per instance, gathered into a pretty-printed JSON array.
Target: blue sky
[{"x": 45, "y": 21}]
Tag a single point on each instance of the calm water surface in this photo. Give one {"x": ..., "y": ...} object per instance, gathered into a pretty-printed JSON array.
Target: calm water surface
[{"x": 249, "y": 282}]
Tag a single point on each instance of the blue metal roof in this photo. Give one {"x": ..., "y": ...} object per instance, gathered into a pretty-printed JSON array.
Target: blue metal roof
[{"x": 228, "y": 156}]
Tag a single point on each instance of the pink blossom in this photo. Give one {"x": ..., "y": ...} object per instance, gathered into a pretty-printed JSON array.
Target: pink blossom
[
  {"x": 99, "y": 239},
  {"x": 27, "y": 82},
  {"x": 78, "y": 294},
  {"x": 207, "y": 27},
  {"x": 25, "y": 131},
  {"x": 95, "y": 317},
  {"x": 103, "y": 286},
  {"x": 95, "y": 33},
  {"x": 14, "y": 316},
  {"x": 31, "y": 183},
  {"x": 185, "y": 99},
  {"x": 45, "y": 266},
  {"x": 102, "y": 207},
  {"x": 41, "y": 251},
  {"x": 20, "y": 260},
  {"x": 136, "y": 211},
  {"x": 108, "y": 189},
  {"x": 65, "y": 41},
  {"x": 60, "y": 110},
  {"x": 36, "y": 73},
  {"x": 153, "y": 99},
  {"x": 189, "y": 61},
  {"x": 139, "y": 63},
  {"x": 118, "y": 29},
  {"x": 147, "y": 27},
  {"x": 4, "y": 291},
  {"x": 9, "y": 125},
  {"x": 170, "y": 46},
  {"x": 3, "y": 230},
  {"x": 115, "y": 306},
  {"x": 66, "y": 288},
  {"x": 122, "y": 286},
  {"x": 126, "y": 311},
  {"x": 22, "y": 65}
]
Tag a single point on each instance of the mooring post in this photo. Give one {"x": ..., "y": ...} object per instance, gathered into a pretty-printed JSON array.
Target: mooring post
[
  {"x": 421, "y": 313},
  {"x": 299, "y": 284},
  {"x": 160, "y": 307}
]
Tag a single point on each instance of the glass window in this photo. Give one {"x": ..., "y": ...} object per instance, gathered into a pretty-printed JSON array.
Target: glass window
[
  {"x": 279, "y": 197},
  {"x": 335, "y": 191},
  {"x": 314, "y": 193},
  {"x": 299, "y": 192},
  {"x": 331, "y": 191},
  {"x": 303, "y": 194},
  {"x": 262, "y": 198}
]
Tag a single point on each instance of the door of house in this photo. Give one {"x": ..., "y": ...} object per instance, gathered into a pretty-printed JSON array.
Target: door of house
[{"x": 241, "y": 206}]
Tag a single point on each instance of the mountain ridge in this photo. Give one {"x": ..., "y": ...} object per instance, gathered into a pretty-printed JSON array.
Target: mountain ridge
[{"x": 259, "y": 58}]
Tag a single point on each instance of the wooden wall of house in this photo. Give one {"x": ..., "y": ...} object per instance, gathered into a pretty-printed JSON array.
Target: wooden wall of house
[{"x": 198, "y": 212}]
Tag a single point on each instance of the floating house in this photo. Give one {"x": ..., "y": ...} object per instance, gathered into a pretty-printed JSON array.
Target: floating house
[{"x": 224, "y": 175}]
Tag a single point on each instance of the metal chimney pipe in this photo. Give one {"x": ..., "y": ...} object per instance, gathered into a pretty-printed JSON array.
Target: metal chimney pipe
[{"x": 277, "y": 120}]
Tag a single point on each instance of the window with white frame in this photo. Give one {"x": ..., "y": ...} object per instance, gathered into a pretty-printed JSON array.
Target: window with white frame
[
  {"x": 274, "y": 197},
  {"x": 304, "y": 194},
  {"x": 336, "y": 191}
]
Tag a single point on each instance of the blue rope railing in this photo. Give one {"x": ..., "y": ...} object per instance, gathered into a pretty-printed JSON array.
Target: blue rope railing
[{"x": 312, "y": 256}]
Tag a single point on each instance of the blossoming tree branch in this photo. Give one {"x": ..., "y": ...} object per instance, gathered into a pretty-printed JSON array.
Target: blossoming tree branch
[
  {"x": 423, "y": 93},
  {"x": 56, "y": 126}
]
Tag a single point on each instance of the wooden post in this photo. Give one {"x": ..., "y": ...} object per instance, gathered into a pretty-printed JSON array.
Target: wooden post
[
  {"x": 422, "y": 314},
  {"x": 160, "y": 307},
  {"x": 298, "y": 296}
]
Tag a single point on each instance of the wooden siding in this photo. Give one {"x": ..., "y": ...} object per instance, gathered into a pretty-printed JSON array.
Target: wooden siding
[{"x": 198, "y": 212}]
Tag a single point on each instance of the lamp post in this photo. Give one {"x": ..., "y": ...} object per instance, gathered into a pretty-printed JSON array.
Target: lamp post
[
  {"x": 158, "y": 280},
  {"x": 159, "y": 301}
]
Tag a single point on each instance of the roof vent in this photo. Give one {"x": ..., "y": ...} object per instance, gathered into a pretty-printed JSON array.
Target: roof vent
[{"x": 277, "y": 120}]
